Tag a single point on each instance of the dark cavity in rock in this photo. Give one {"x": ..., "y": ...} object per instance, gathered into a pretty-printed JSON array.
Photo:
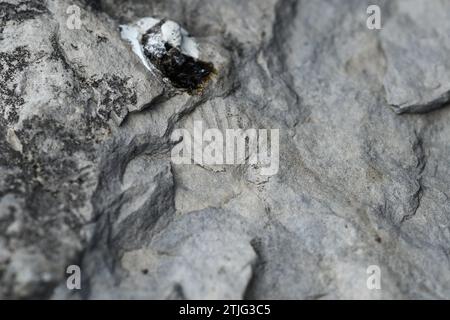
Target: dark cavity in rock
[{"x": 183, "y": 71}]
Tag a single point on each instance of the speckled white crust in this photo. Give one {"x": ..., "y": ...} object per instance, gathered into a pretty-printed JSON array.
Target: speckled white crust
[
  {"x": 133, "y": 32},
  {"x": 171, "y": 32}
]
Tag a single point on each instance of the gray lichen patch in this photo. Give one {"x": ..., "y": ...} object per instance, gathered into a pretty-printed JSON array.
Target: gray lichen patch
[
  {"x": 45, "y": 185},
  {"x": 19, "y": 12},
  {"x": 11, "y": 64},
  {"x": 116, "y": 95},
  {"x": 110, "y": 94}
]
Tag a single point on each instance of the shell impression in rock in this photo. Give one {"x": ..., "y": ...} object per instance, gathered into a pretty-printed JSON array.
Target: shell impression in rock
[{"x": 166, "y": 46}]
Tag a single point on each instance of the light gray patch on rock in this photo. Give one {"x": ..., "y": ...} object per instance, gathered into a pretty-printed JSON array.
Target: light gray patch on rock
[{"x": 416, "y": 45}]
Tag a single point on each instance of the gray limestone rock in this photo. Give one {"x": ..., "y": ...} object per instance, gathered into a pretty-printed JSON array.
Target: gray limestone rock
[
  {"x": 87, "y": 178},
  {"x": 416, "y": 43}
]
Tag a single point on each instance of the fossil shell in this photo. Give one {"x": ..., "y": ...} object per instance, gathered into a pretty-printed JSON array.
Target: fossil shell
[
  {"x": 164, "y": 45},
  {"x": 170, "y": 32}
]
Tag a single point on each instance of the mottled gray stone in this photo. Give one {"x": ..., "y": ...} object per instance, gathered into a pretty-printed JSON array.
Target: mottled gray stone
[
  {"x": 86, "y": 176},
  {"x": 416, "y": 44}
]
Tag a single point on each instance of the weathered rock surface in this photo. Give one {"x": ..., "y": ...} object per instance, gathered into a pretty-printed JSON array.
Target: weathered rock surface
[
  {"x": 86, "y": 176},
  {"x": 416, "y": 44}
]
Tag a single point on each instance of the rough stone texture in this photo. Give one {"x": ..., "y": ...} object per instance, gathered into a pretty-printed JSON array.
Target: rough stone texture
[
  {"x": 86, "y": 176},
  {"x": 416, "y": 44}
]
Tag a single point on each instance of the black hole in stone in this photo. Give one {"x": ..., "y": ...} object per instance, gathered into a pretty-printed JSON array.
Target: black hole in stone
[{"x": 183, "y": 71}]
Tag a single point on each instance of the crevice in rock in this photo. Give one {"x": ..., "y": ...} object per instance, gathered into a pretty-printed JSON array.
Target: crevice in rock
[
  {"x": 281, "y": 77},
  {"x": 282, "y": 29},
  {"x": 58, "y": 54},
  {"x": 420, "y": 155},
  {"x": 106, "y": 245},
  {"x": 250, "y": 292},
  {"x": 177, "y": 293},
  {"x": 420, "y": 108}
]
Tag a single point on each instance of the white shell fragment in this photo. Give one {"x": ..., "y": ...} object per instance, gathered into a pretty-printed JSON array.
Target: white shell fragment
[
  {"x": 171, "y": 32},
  {"x": 13, "y": 140}
]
